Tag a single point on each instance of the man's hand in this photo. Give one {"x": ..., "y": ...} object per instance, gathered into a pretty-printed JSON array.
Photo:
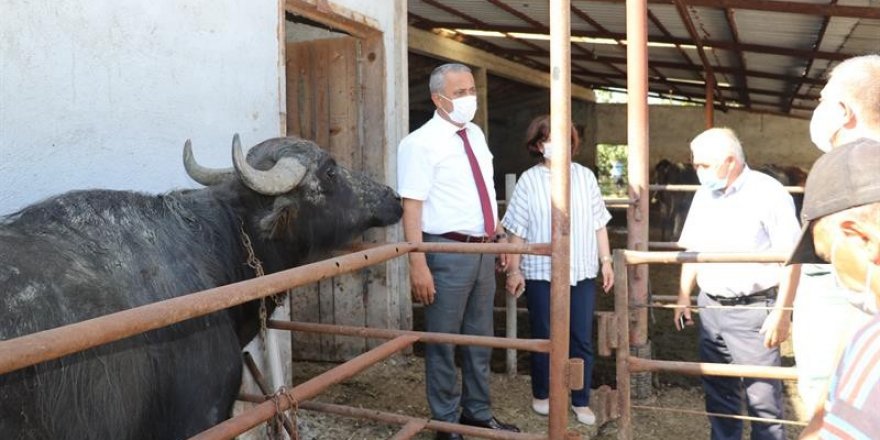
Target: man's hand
[
  {"x": 775, "y": 328},
  {"x": 683, "y": 309},
  {"x": 501, "y": 262},
  {"x": 422, "y": 284},
  {"x": 515, "y": 284}
]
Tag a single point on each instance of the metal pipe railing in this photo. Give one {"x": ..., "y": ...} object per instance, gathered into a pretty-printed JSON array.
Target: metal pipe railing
[
  {"x": 60, "y": 341},
  {"x": 637, "y": 365},
  {"x": 692, "y": 188},
  {"x": 534, "y": 345},
  {"x": 308, "y": 389},
  {"x": 639, "y": 257}
]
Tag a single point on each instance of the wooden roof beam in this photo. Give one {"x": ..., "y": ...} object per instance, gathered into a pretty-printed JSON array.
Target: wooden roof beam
[
  {"x": 680, "y": 66},
  {"x": 827, "y": 10},
  {"x": 816, "y": 44},
  {"x": 717, "y": 44},
  {"x": 741, "y": 77},
  {"x": 698, "y": 40},
  {"x": 430, "y": 44}
]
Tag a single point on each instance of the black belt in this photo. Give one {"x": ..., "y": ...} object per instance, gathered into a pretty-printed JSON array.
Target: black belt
[
  {"x": 467, "y": 238},
  {"x": 761, "y": 295}
]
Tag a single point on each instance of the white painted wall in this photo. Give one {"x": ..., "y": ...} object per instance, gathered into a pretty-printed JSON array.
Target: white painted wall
[{"x": 103, "y": 94}]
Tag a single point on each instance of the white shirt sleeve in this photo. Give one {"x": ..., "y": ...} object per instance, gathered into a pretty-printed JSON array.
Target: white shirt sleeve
[
  {"x": 415, "y": 173},
  {"x": 516, "y": 218},
  {"x": 601, "y": 216}
]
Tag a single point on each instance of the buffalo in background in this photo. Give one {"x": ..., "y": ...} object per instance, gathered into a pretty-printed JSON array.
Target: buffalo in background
[{"x": 84, "y": 254}]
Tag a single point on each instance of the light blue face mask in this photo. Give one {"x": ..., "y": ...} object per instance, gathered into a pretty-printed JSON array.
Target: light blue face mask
[{"x": 711, "y": 180}]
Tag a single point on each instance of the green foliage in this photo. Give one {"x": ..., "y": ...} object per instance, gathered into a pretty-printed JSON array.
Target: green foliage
[{"x": 606, "y": 156}]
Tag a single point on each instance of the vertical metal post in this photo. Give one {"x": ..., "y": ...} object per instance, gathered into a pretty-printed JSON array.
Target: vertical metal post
[
  {"x": 621, "y": 310},
  {"x": 509, "y": 300},
  {"x": 710, "y": 101},
  {"x": 637, "y": 139},
  {"x": 560, "y": 195}
]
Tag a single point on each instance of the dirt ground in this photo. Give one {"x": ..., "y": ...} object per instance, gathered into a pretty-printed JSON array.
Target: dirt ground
[{"x": 397, "y": 385}]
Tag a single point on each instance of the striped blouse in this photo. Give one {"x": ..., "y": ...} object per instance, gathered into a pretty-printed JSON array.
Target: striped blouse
[
  {"x": 528, "y": 216},
  {"x": 853, "y": 407}
]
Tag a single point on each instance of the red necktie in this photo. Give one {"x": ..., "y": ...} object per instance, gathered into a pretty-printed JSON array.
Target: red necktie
[{"x": 488, "y": 217}]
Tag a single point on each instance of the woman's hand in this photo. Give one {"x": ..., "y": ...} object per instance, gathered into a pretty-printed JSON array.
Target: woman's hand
[
  {"x": 607, "y": 276},
  {"x": 515, "y": 284}
]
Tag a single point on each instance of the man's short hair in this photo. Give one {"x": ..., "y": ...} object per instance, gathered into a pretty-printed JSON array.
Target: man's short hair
[
  {"x": 438, "y": 76},
  {"x": 720, "y": 139},
  {"x": 859, "y": 82},
  {"x": 847, "y": 177}
]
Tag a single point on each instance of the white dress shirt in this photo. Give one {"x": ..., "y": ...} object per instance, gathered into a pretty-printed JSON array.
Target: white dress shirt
[
  {"x": 528, "y": 216},
  {"x": 432, "y": 166},
  {"x": 755, "y": 214}
]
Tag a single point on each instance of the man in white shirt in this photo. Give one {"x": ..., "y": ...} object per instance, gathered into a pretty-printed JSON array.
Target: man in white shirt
[
  {"x": 445, "y": 177},
  {"x": 738, "y": 210},
  {"x": 848, "y": 112}
]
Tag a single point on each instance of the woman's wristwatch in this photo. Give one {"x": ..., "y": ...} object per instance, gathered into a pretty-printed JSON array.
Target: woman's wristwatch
[{"x": 605, "y": 259}]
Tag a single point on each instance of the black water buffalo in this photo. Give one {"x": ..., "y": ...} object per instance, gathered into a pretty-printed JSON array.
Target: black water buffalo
[
  {"x": 671, "y": 207},
  {"x": 88, "y": 253}
]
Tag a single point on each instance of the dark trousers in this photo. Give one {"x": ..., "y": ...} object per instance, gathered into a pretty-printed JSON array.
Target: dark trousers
[
  {"x": 731, "y": 336},
  {"x": 463, "y": 304},
  {"x": 580, "y": 344}
]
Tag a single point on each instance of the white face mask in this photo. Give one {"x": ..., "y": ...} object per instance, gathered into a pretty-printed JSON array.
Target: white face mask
[
  {"x": 827, "y": 119},
  {"x": 463, "y": 109},
  {"x": 547, "y": 150},
  {"x": 862, "y": 298}
]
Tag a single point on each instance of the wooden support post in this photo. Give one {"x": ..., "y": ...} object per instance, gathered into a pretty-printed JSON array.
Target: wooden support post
[
  {"x": 482, "y": 82},
  {"x": 621, "y": 308}
]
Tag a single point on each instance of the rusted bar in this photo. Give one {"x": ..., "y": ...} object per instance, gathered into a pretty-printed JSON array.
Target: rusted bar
[
  {"x": 664, "y": 245},
  {"x": 308, "y": 389},
  {"x": 722, "y": 416},
  {"x": 637, "y": 257},
  {"x": 637, "y": 139},
  {"x": 410, "y": 430},
  {"x": 399, "y": 419},
  {"x": 535, "y": 345},
  {"x": 708, "y": 369},
  {"x": 510, "y": 313},
  {"x": 575, "y": 374},
  {"x": 692, "y": 188},
  {"x": 676, "y": 306},
  {"x": 60, "y": 341},
  {"x": 560, "y": 202},
  {"x": 621, "y": 308},
  {"x": 484, "y": 248},
  {"x": 710, "y": 101},
  {"x": 266, "y": 390}
]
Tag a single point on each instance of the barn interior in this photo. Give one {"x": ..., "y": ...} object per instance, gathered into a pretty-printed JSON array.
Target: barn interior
[{"x": 755, "y": 66}]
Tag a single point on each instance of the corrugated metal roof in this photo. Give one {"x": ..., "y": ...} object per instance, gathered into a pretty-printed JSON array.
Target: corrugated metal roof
[{"x": 766, "y": 47}]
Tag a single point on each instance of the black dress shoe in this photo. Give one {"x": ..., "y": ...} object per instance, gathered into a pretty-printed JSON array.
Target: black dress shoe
[
  {"x": 448, "y": 436},
  {"x": 492, "y": 423}
]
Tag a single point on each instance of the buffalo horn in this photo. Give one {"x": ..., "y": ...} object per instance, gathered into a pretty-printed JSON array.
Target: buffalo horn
[
  {"x": 281, "y": 178},
  {"x": 205, "y": 176}
]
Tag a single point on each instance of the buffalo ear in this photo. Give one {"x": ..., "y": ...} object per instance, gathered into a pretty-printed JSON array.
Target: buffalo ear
[{"x": 278, "y": 223}]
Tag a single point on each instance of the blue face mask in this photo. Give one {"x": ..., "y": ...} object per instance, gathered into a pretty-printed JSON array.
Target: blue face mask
[{"x": 711, "y": 181}]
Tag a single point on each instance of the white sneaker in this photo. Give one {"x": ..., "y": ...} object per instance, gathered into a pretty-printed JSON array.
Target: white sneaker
[
  {"x": 584, "y": 415},
  {"x": 541, "y": 406}
]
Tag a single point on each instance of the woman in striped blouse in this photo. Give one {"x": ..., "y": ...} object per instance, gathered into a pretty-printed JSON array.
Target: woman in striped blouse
[{"x": 527, "y": 220}]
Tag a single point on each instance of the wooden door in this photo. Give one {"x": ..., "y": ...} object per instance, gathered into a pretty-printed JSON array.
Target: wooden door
[{"x": 325, "y": 103}]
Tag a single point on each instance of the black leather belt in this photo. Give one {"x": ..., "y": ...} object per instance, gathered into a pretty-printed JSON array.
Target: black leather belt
[
  {"x": 761, "y": 295},
  {"x": 466, "y": 238}
]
